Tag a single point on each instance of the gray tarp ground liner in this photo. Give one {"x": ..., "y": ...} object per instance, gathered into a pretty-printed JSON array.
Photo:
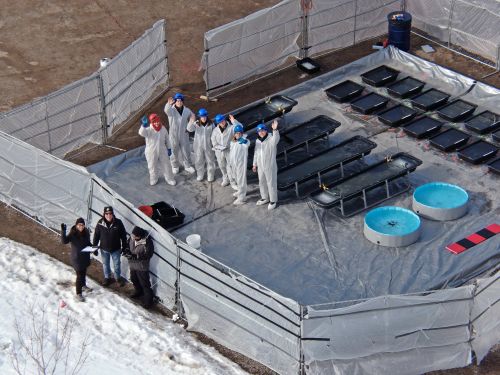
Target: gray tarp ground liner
[{"x": 307, "y": 253}]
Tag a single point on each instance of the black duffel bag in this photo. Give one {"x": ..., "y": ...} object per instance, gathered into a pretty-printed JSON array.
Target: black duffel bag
[{"x": 166, "y": 215}]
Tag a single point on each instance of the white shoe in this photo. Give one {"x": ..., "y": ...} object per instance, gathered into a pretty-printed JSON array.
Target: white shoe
[
  {"x": 190, "y": 170},
  {"x": 224, "y": 182},
  {"x": 234, "y": 186},
  {"x": 153, "y": 182},
  {"x": 172, "y": 182},
  {"x": 199, "y": 178},
  {"x": 235, "y": 194},
  {"x": 175, "y": 170},
  {"x": 271, "y": 206},
  {"x": 80, "y": 298},
  {"x": 239, "y": 202},
  {"x": 260, "y": 202},
  {"x": 210, "y": 178}
]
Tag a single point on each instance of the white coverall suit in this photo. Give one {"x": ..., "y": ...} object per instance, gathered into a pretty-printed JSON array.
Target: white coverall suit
[
  {"x": 238, "y": 159},
  {"x": 202, "y": 146},
  {"x": 265, "y": 159},
  {"x": 156, "y": 152},
  {"x": 179, "y": 138},
  {"x": 221, "y": 143}
]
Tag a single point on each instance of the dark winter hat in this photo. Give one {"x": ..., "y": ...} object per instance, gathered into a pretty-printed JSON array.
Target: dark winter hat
[
  {"x": 139, "y": 232},
  {"x": 108, "y": 209},
  {"x": 80, "y": 221}
]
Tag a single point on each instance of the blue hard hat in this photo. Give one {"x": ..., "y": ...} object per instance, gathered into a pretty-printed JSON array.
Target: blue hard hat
[
  {"x": 261, "y": 127},
  {"x": 202, "y": 112},
  {"x": 219, "y": 118},
  {"x": 238, "y": 129},
  {"x": 144, "y": 120},
  {"x": 178, "y": 96}
]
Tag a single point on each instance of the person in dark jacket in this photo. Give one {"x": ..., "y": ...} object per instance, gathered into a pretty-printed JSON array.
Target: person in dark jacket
[
  {"x": 79, "y": 237},
  {"x": 141, "y": 250},
  {"x": 111, "y": 237}
]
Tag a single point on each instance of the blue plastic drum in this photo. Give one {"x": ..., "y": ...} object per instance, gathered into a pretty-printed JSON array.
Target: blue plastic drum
[
  {"x": 440, "y": 201},
  {"x": 392, "y": 226},
  {"x": 399, "y": 29}
]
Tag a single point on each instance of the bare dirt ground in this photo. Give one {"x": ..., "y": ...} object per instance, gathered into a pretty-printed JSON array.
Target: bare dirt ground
[{"x": 45, "y": 45}]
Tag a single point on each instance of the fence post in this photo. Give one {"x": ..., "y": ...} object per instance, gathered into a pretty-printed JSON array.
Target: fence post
[
  {"x": 102, "y": 101},
  {"x": 450, "y": 19},
  {"x": 302, "y": 368},
  {"x": 48, "y": 127},
  {"x": 355, "y": 16},
  {"x": 89, "y": 202},
  {"x": 305, "y": 7},
  {"x": 207, "y": 84},
  {"x": 178, "y": 302},
  {"x": 403, "y": 5},
  {"x": 166, "y": 52},
  {"x": 498, "y": 58}
]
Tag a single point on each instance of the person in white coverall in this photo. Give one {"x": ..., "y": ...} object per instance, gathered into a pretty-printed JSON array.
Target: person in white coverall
[
  {"x": 264, "y": 162},
  {"x": 157, "y": 149},
  {"x": 178, "y": 118},
  {"x": 221, "y": 140},
  {"x": 238, "y": 158},
  {"x": 202, "y": 145}
]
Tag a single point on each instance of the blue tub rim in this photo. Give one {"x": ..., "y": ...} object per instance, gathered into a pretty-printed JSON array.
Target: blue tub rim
[
  {"x": 440, "y": 183},
  {"x": 394, "y": 208}
]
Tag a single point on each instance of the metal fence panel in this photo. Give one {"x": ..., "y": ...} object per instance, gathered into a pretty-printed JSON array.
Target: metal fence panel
[
  {"x": 247, "y": 318},
  {"x": 331, "y": 25},
  {"x": 61, "y": 121},
  {"x": 251, "y": 46},
  {"x": 42, "y": 186},
  {"x": 132, "y": 76},
  {"x": 382, "y": 327},
  {"x": 485, "y": 316},
  {"x": 475, "y": 27}
]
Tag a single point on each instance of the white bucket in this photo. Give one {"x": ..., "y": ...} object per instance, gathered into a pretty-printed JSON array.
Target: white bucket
[
  {"x": 104, "y": 62},
  {"x": 194, "y": 240}
]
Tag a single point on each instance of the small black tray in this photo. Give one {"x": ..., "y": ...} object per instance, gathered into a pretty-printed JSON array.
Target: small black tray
[
  {"x": 430, "y": 99},
  {"x": 397, "y": 115},
  {"x": 496, "y": 136},
  {"x": 405, "y": 87},
  {"x": 477, "y": 152},
  {"x": 456, "y": 110},
  {"x": 308, "y": 65},
  {"x": 344, "y": 91},
  {"x": 380, "y": 76},
  {"x": 449, "y": 140},
  {"x": 423, "y": 127},
  {"x": 494, "y": 166},
  {"x": 485, "y": 122},
  {"x": 369, "y": 103}
]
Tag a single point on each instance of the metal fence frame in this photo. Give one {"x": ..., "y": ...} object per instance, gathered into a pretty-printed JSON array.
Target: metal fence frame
[{"x": 95, "y": 125}]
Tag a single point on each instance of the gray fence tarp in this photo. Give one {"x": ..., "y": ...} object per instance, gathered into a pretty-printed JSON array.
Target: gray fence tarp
[
  {"x": 41, "y": 185},
  {"x": 132, "y": 76},
  {"x": 61, "y": 120},
  {"x": 392, "y": 334},
  {"x": 469, "y": 24},
  {"x": 82, "y": 111},
  {"x": 241, "y": 314},
  {"x": 253, "y": 45}
]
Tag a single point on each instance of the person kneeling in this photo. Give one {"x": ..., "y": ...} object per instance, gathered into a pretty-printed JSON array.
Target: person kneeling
[{"x": 141, "y": 251}]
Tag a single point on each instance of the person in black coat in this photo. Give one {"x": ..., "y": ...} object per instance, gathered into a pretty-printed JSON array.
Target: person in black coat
[
  {"x": 79, "y": 237},
  {"x": 111, "y": 236},
  {"x": 141, "y": 250}
]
